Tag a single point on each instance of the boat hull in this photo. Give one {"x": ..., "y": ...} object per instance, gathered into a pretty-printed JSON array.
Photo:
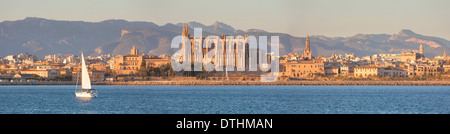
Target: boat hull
[{"x": 85, "y": 94}]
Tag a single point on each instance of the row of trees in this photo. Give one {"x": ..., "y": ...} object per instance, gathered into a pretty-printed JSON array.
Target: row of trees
[
  {"x": 166, "y": 71},
  {"x": 61, "y": 77},
  {"x": 162, "y": 71}
]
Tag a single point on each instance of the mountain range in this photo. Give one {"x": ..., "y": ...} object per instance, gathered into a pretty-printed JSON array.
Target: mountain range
[{"x": 40, "y": 36}]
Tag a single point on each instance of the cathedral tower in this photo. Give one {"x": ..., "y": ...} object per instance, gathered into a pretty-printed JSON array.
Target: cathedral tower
[{"x": 185, "y": 31}]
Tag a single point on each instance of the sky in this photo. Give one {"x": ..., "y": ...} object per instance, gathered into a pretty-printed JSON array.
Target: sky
[{"x": 296, "y": 17}]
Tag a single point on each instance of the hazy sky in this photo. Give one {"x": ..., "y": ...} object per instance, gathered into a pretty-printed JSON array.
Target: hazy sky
[{"x": 295, "y": 17}]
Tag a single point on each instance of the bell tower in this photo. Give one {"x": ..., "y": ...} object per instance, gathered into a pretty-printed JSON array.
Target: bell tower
[
  {"x": 421, "y": 49},
  {"x": 307, "y": 51}
]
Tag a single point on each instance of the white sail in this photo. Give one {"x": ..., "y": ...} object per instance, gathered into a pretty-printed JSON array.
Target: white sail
[{"x": 85, "y": 81}]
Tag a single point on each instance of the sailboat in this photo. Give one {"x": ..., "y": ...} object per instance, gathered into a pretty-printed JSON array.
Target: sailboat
[{"x": 86, "y": 89}]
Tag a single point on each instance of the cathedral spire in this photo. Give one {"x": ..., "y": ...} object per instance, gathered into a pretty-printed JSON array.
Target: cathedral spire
[{"x": 185, "y": 31}]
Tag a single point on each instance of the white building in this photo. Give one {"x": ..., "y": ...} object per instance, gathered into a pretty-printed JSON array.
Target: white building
[
  {"x": 45, "y": 73},
  {"x": 11, "y": 58}
]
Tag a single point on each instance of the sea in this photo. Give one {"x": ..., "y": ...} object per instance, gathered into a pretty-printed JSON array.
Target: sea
[{"x": 227, "y": 100}]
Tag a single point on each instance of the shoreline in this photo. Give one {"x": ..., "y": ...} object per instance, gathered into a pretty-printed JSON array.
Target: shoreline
[{"x": 247, "y": 83}]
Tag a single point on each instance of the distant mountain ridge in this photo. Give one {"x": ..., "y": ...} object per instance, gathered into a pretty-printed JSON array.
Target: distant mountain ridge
[{"x": 43, "y": 36}]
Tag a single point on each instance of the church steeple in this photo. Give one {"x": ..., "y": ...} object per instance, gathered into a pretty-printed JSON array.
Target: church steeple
[
  {"x": 307, "y": 43},
  {"x": 421, "y": 49},
  {"x": 332, "y": 55},
  {"x": 307, "y": 51},
  {"x": 444, "y": 55}
]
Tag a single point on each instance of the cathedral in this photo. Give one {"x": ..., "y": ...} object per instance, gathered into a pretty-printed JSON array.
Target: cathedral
[{"x": 220, "y": 51}]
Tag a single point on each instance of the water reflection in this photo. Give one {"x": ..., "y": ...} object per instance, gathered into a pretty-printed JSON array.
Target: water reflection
[{"x": 84, "y": 99}]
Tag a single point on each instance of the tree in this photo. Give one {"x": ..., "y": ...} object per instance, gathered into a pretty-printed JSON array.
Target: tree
[
  {"x": 167, "y": 68},
  {"x": 143, "y": 64},
  {"x": 203, "y": 74},
  {"x": 64, "y": 77},
  {"x": 142, "y": 72},
  {"x": 110, "y": 72},
  {"x": 35, "y": 76}
]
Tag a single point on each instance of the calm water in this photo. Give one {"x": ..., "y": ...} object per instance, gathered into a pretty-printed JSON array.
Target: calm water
[{"x": 227, "y": 99}]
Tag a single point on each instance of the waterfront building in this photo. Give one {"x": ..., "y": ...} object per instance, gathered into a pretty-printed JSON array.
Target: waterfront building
[
  {"x": 331, "y": 71},
  {"x": 303, "y": 69},
  {"x": 127, "y": 64},
  {"x": 111, "y": 63},
  {"x": 423, "y": 70},
  {"x": 131, "y": 63},
  {"x": 94, "y": 75},
  {"x": 411, "y": 70},
  {"x": 44, "y": 73},
  {"x": 446, "y": 67},
  {"x": 344, "y": 70},
  {"x": 366, "y": 71},
  {"x": 65, "y": 72},
  {"x": 393, "y": 72},
  {"x": 97, "y": 66}
]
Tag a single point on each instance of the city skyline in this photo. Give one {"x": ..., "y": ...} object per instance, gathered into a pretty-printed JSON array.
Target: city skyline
[
  {"x": 38, "y": 36},
  {"x": 298, "y": 18},
  {"x": 407, "y": 65}
]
